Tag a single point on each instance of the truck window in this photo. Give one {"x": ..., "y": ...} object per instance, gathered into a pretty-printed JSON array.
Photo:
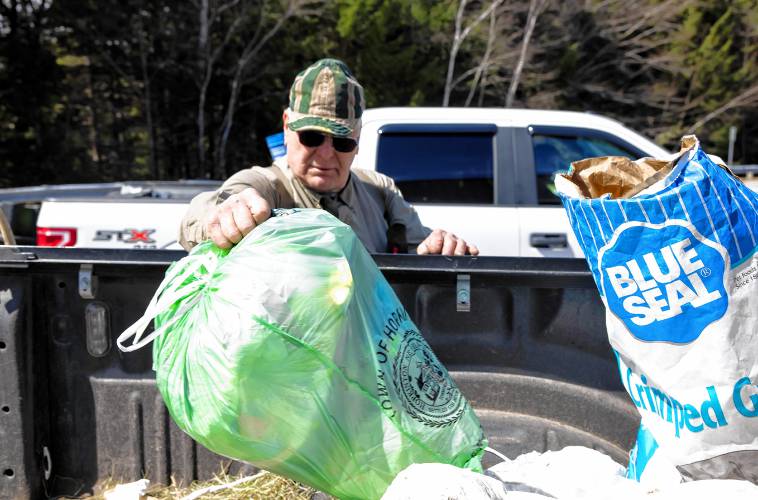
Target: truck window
[
  {"x": 555, "y": 153},
  {"x": 434, "y": 167}
]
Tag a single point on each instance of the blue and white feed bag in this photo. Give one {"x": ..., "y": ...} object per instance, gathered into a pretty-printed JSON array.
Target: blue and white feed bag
[{"x": 672, "y": 247}]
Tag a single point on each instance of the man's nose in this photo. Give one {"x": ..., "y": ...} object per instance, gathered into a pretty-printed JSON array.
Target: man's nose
[{"x": 325, "y": 150}]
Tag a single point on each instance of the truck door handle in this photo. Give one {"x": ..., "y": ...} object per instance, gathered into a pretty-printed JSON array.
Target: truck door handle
[{"x": 548, "y": 240}]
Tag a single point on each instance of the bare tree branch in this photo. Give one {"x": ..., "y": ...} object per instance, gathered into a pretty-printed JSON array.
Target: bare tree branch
[
  {"x": 147, "y": 98},
  {"x": 628, "y": 98},
  {"x": 453, "y": 51},
  {"x": 535, "y": 9},
  {"x": 251, "y": 50},
  {"x": 639, "y": 33},
  {"x": 203, "y": 49},
  {"x": 226, "y": 6},
  {"x": 484, "y": 64},
  {"x": 458, "y": 38},
  {"x": 207, "y": 58},
  {"x": 747, "y": 98},
  {"x": 464, "y": 76}
]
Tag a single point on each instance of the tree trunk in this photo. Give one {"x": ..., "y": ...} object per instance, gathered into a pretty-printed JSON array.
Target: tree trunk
[
  {"x": 535, "y": 7},
  {"x": 148, "y": 101},
  {"x": 481, "y": 71},
  {"x": 458, "y": 39},
  {"x": 91, "y": 121},
  {"x": 248, "y": 55},
  {"x": 206, "y": 67}
]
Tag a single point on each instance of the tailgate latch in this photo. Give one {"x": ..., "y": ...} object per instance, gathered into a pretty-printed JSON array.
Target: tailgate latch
[
  {"x": 463, "y": 293},
  {"x": 87, "y": 282}
]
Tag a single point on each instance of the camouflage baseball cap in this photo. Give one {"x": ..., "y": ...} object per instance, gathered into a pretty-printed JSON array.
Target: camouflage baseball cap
[{"x": 326, "y": 97}]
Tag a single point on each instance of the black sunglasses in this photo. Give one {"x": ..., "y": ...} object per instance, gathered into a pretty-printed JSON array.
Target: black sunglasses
[{"x": 313, "y": 139}]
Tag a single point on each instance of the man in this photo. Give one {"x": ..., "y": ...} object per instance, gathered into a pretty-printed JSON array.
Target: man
[{"x": 321, "y": 129}]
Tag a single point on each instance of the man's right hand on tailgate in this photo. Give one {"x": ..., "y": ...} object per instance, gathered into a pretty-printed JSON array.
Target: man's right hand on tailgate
[{"x": 236, "y": 216}]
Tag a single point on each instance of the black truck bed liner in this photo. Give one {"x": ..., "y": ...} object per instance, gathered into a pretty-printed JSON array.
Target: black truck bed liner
[{"x": 531, "y": 355}]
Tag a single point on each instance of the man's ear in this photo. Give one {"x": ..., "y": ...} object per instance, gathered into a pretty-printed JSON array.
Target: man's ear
[{"x": 284, "y": 126}]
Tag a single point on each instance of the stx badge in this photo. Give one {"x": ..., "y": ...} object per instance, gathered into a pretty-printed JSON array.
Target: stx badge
[{"x": 125, "y": 235}]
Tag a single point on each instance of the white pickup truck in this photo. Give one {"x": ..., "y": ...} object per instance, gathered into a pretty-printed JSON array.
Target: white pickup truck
[
  {"x": 136, "y": 214},
  {"x": 485, "y": 174}
]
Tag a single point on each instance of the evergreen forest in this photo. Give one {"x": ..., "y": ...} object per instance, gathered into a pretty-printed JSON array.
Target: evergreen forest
[{"x": 107, "y": 90}]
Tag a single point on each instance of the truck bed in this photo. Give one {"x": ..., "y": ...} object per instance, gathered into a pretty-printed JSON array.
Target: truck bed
[{"x": 531, "y": 355}]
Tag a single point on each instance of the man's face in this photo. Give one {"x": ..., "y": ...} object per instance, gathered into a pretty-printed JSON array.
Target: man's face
[{"x": 320, "y": 168}]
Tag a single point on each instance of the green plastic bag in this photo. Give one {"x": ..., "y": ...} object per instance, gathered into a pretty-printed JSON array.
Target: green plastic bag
[{"x": 292, "y": 352}]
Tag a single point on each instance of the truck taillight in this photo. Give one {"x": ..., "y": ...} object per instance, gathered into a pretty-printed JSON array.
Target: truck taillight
[{"x": 56, "y": 236}]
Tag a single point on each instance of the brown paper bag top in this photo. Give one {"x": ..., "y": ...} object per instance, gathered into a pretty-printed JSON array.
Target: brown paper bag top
[
  {"x": 616, "y": 175},
  {"x": 619, "y": 176}
]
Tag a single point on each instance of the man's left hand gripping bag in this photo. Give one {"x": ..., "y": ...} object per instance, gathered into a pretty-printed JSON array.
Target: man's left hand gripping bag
[{"x": 292, "y": 352}]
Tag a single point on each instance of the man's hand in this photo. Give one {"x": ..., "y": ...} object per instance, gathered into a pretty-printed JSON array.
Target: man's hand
[
  {"x": 442, "y": 242},
  {"x": 236, "y": 216}
]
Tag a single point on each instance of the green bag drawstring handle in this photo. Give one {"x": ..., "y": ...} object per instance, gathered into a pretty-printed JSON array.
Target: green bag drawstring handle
[
  {"x": 171, "y": 291},
  {"x": 165, "y": 298}
]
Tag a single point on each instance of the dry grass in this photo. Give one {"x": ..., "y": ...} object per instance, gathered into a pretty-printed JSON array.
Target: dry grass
[{"x": 263, "y": 485}]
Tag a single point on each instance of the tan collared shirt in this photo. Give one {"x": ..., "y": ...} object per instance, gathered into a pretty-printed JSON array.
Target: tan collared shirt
[{"x": 370, "y": 203}]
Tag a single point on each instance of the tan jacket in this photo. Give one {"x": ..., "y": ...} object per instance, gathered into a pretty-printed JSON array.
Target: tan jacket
[{"x": 371, "y": 203}]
